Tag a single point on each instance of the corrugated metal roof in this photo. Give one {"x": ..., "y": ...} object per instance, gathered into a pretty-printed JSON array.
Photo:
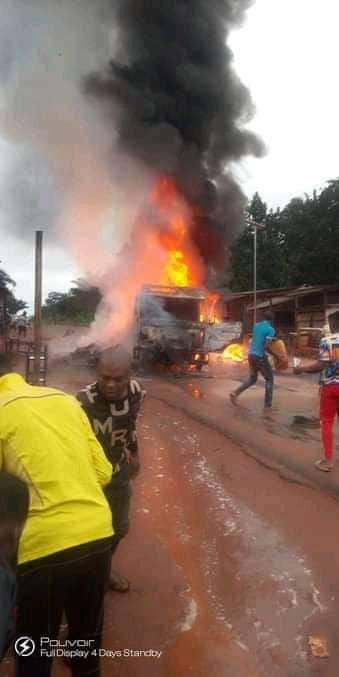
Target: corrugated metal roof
[
  {"x": 275, "y": 301},
  {"x": 287, "y": 293},
  {"x": 310, "y": 289},
  {"x": 260, "y": 292},
  {"x": 294, "y": 293}
]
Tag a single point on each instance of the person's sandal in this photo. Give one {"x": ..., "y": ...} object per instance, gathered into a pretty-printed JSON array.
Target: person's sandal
[
  {"x": 324, "y": 465},
  {"x": 118, "y": 583}
]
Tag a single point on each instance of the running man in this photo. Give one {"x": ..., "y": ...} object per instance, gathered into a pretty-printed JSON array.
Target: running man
[{"x": 264, "y": 335}]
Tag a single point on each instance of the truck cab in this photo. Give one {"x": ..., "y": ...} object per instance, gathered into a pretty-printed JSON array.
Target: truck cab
[{"x": 168, "y": 328}]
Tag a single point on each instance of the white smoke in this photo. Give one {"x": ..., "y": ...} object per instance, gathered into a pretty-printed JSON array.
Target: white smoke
[
  {"x": 63, "y": 173},
  {"x": 58, "y": 144}
]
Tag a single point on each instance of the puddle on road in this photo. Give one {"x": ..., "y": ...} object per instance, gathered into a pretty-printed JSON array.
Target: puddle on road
[
  {"x": 275, "y": 593},
  {"x": 271, "y": 591}
]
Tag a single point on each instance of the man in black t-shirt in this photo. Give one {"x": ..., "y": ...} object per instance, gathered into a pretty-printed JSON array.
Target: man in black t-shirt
[{"x": 112, "y": 405}]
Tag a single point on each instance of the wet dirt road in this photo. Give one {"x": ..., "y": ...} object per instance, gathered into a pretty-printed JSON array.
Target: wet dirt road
[{"x": 232, "y": 567}]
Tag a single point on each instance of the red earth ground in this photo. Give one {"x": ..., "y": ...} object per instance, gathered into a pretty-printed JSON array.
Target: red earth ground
[{"x": 231, "y": 566}]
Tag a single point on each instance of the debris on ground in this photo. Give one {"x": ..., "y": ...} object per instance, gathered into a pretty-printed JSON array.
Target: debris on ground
[
  {"x": 311, "y": 422},
  {"x": 319, "y": 647}
]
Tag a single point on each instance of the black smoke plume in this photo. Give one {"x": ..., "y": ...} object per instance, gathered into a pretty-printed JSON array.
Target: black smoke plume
[{"x": 179, "y": 106}]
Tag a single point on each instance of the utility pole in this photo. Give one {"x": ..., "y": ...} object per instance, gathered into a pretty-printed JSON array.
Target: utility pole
[
  {"x": 255, "y": 231},
  {"x": 255, "y": 227},
  {"x": 37, "y": 305}
]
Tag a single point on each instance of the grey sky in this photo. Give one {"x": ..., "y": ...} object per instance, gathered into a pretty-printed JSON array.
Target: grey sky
[{"x": 287, "y": 53}]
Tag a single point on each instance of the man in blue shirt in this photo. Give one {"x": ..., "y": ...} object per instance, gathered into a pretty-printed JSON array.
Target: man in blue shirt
[
  {"x": 14, "y": 502},
  {"x": 263, "y": 334}
]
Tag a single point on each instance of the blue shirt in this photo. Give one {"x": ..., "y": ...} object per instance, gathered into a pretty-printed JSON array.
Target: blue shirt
[
  {"x": 262, "y": 332},
  {"x": 329, "y": 353},
  {"x": 7, "y": 602}
]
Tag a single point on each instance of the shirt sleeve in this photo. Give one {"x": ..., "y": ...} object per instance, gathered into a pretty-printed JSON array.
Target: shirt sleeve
[
  {"x": 270, "y": 334},
  {"x": 81, "y": 400},
  {"x": 103, "y": 468},
  {"x": 324, "y": 351},
  {"x": 139, "y": 396}
]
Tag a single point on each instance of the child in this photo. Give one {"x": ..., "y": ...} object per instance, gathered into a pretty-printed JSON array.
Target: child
[{"x": 14, "y": 502}]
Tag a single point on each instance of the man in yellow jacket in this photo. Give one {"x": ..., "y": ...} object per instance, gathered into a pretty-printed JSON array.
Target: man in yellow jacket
[{"x": 65, "y": 548}]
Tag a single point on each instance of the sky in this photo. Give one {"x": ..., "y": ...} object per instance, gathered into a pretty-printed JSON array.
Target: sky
[{"x": 287, "y": 54}]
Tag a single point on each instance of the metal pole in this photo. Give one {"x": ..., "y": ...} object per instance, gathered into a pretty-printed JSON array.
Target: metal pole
[
  {"x": 255, "y": 276},
  {"x": 37, "y": 305},
  {"x": 6, "y": 319}
]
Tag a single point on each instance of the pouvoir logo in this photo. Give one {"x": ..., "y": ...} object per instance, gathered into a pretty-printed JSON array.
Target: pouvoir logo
[{"x": 24, "y": 646}]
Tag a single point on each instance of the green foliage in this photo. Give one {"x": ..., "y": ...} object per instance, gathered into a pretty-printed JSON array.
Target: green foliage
[
  {"x": 13, "y": 305},
  {"x": 5, "y": 280},
  {"x": 299, "y": 245},
  {"x": 78, "y": 305}
]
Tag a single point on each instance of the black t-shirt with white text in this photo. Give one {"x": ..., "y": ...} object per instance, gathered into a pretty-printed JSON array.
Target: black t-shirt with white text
[{"x": 114, "y": 423}]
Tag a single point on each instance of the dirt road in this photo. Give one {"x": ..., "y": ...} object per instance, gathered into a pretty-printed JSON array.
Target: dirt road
[{"x": 232, "y": 567}]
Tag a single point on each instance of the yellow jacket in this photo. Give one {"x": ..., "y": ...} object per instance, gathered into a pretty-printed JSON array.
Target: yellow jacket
[{"x": 46, "y": 439}]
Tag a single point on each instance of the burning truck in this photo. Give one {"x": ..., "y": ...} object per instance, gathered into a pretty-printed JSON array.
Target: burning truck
[
  {"x": 173, "y": 328},
  {"x": 163, "y": 307},
  {"x": 175, "y": 325},
  {"x": 168, "y": 328}
]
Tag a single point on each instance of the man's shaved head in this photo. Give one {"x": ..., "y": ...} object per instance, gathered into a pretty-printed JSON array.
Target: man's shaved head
[
  {"x": 117, "y": 356},
  {"x": 114, "y": 368},
  {"x": 268, "y": 316}
]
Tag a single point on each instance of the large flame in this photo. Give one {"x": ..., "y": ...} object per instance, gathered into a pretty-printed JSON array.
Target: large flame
[
  {"x": 160, "y": 251},
  {"x": 211, "y": 310},
  {"x": 235, "y": 352},
  {"x": 182, "y": 264},
  {"x": 177, "y": 270}
]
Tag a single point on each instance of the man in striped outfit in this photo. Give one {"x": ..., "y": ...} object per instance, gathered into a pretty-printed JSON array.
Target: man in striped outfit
[{"x": 112, "y": 405}]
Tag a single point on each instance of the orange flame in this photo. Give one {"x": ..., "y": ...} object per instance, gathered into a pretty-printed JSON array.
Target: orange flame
[
  {"x": 176, "y": 269},
  {"x": 211, "y": 311},
  {"x": 182, "y": 264},
  {"x": 160, "y": 251}
]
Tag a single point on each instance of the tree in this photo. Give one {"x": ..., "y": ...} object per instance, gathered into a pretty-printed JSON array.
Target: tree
[
  {"x": 311, "y": 228},
  {"x": 5, "y": 280},
  {"x": 271, "y": 268},
  {"x": 13, "y": 305},
  {"x": 299, "y": 244},
  {"x": 79, "y": 304}
]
